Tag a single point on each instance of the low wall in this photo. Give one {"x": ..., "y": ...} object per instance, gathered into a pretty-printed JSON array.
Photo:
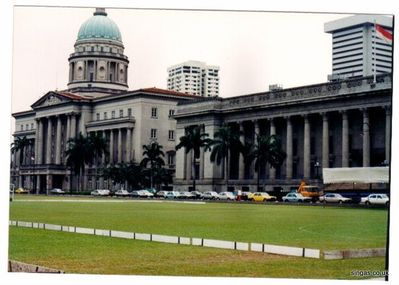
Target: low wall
[
  {"x": 16, "y": 266},
  {"x": 195, "y": 241}
]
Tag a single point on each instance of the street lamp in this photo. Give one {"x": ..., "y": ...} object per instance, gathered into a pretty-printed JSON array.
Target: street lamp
[{"x": 317, "y": 166}]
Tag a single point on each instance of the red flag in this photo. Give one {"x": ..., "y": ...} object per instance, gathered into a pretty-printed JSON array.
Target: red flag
[{"x": 383, "y": 33}]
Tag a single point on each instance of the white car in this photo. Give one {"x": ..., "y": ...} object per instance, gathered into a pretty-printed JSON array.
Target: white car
[
  {"x": 227, "y": 196},
  {"x": 161, "y": 194},
  {"x": 57, "y": 191},
  {"x": 296, "y": 197},
  {"x": 142, "y": 194},
  {"x": 186, "y": 195},
  {"x": 334, "y": 198},
  {"x": 376, "y": 199},
  {"x": 122, "y": 193},
  {"x": 100, "y": 192},
  {"x": 211, "y": 195}
]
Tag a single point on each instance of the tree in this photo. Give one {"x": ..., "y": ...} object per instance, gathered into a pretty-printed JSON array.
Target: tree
[
  {"x": 153, "y": 155},
  {"x": 194, "y": 140},
  {"x": 226, "y": 140},
  {"x": 19, "y": 145},
  {"x": 83, "y": 150},
  {"x": 130, "y": 173},
  {"x": 267, "y": 149}
]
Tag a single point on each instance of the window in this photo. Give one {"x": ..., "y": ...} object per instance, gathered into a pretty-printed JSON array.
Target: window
[
  {"x": 22, "y": 127},
  {"x": 154, "y": 112},
  {"x": 113, "y": 114},
  {"x": 98, "y": 116},
  {"x": 120, "y": 113},
  {"x": 129, "y": 112},
  {"x": 171, "y": 113},
  {"x": 171, "y": 159},
  {"x": 153, "y": 133},
  {"x": 27, "y": 126},
  {"x": 32, "y": 126},
  {"x": 171, "y": 135},
  {"x": 105, "y": 115}
]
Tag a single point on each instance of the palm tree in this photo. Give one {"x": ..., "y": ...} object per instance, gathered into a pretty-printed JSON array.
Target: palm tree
[
  {"x": 19, "y": 145},
  {"x": 194, "y": 140},
  {"x": 82, "y": 150},
  {"x": 226, "y": 140},
  {"x": 267, "y": 149},
  {"x": 153, "y": 155}
]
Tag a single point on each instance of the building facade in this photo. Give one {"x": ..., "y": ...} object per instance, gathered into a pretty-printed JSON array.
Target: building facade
[
  {"x": 334, "y": 124},
  {"x": 356, "y": 50},
  {"x": 194, "y": 77},
  {"x": 97, "y": 101}
]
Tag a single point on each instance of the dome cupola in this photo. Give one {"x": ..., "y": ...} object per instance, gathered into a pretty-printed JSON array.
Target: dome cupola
[{"x": 98, "y": 64}]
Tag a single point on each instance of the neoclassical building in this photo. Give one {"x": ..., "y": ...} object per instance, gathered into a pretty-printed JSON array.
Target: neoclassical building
[
  {"x": 97, "y": 101},
  {"x": 343, "y": 123}
]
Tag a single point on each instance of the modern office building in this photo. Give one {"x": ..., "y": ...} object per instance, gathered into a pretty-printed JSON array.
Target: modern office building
[
  {"x": 194, "y": 77},
  {"x": 356, "y": 47},
  {"x": 97, "y": 101}
]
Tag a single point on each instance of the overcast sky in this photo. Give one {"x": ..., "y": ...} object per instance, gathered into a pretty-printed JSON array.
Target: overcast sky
[{"x": 253, "y": 49}]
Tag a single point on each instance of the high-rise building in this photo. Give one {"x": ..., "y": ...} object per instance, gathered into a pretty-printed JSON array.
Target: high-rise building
[
  {"x": 357, "y": 48},
  {"x": 194, "y": 77}
]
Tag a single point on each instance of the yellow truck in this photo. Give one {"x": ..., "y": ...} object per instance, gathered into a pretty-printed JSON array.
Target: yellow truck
[{"x": 309, "y": 191}]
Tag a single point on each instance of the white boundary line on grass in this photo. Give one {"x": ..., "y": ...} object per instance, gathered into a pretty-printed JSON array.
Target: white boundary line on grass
[{"x": 107, "y": 201}]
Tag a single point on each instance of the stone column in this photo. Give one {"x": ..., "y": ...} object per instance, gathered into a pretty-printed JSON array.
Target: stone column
[
  {"x": 38, "y": 149},
  {"x": 111, "y": 146},
  {"x": 202, "y": 162},
  {"x": 128, "y": 144},
  {"x": 58, "y": 142},
  {"x": 38, "y": 185},
  {"x": 306, "y": 148},
  {"x": 272, "y": 170},
  {"x": 73, "y": 126},
  {"x": 256, "y": 134},
  {"x": 189, "y": 165},
  {"x": 48, "y": 143},
  {"x": 119, "y": 145},
  {"x": 181, "y": 163},
  {"x": 241, "y": 165},
  {"x": 387, "y": 134},
  {"x": 289, "y": 150},
  {"x": 345, "y": 139},
  {"x": 104, "y": 155},
  {"x": 366, "y": 139},
  {"x": 325, "y": 143}
]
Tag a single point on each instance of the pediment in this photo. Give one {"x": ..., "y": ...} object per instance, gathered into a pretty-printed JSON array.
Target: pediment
[{"x": 50, "y": 99}]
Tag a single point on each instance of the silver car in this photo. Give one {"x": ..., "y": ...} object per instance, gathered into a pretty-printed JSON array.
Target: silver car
[
  {"x": 227, "y": 196},
  {"x": 296, "y": 197},
  {"x": 334, "y": 198},
  {"x": 376, "y": 199}
]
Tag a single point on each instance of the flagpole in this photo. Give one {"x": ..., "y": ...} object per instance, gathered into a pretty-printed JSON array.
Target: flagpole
[{"x": 374, "y": 54}]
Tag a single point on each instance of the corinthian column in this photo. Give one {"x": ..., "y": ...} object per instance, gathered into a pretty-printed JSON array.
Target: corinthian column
[
  {"x": 119, "y": 145},
  {"x": 48, "y": 143},
  {"x": 366, "y": 139},
  {"x": 306, "y": 148},
  {"x": 241, "y": 165},
  {"x": 345, "y": 140},
  {"x": 272, "y": 170},
  {"x": 58, "y": 142},
  {"x": 326, "y": 151},
  {"x": 289, "y": 149}
]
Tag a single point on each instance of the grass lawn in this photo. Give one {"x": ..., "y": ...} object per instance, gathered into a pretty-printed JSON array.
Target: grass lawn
[
  {"x": 76, "y": 253},
  {"x": 303, "y": 226}
]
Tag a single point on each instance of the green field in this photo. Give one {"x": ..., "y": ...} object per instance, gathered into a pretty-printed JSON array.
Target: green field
[{"x": 304, "y": 226}]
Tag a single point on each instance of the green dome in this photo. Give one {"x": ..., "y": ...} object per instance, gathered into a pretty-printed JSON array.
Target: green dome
[{"x": 99, "y": 27}]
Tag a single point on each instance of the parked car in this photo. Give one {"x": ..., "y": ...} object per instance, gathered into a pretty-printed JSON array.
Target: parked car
[
  {"x": 296, "y": 197},
  {"x": 172, "y": 195},
  {"x": 21, "y": 190},
  {"x": 334, "y": 198},
  {"x": 186, "y": 195},
  {"x": 246, "y": 196},
  {"x": 210, "y": 195},
  {"x": 57, "y": 191},
  {"x": 141, "y": 194},
  {"x": 376, "y": 199},
  {"x": 100, "y": 192},
  {"x": 227, "y": 196},
  {"x": 263, "y": 197},
  {"x": 161, "y": 194},
  {"x": 122, "y": 193},
  {"x": 197, "y": 194}
]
